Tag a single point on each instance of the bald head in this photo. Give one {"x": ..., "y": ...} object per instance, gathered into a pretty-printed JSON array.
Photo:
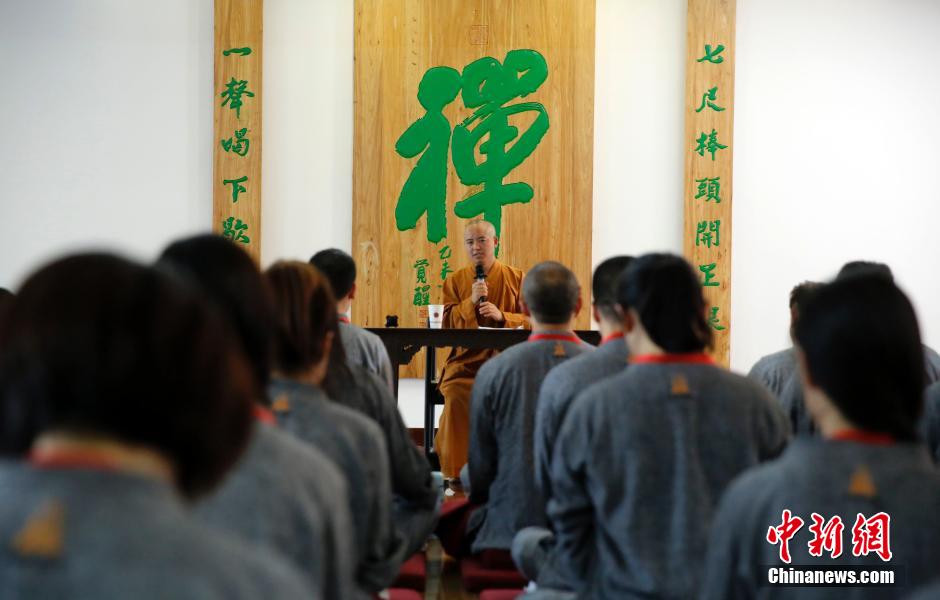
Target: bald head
[
  {"x": 480, "y": 242},
  {"x": 551, "y": 293},
  {"x": 479, "y": 226}
]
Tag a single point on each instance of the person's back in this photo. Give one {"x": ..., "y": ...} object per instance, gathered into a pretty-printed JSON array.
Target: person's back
[
  {"x": 288, "y": 496},
  {"x": 778, "y": 373},
  {"x": 416, "y": 496},
  {"x": 864, "y": 493},
  {"x": 90, "y": 534},
  {"x": 931, "y": 420},
  {"x": 830, "y": 478},
  {"x": 502, "y": 428},
  {"x": 677, "y": 432}
]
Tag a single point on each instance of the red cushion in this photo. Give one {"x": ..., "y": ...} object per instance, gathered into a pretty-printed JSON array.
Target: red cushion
[
  {"x": 476, "y": 577},
  {"x": 500, "y": 594},
  {"x": 400, "y": 594},
  {"x": 413, "y": 573}
]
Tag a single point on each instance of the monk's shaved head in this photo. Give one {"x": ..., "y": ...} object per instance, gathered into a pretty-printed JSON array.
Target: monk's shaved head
[
  {"x": 481, "y": 226},
  {"x": 551, "y": 292}
]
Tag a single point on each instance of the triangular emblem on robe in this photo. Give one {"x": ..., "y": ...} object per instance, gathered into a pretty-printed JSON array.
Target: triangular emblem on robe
[
  {"x": 43, "y": 534},
  {"x": 281, "y": 404},
  {"x": 680, "y": 385},
  {"x": 560, "y": 350},
  {"x": 862, "y": 484}
]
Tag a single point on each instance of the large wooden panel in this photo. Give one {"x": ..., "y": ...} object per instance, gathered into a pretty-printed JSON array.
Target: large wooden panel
[
  {"x": 236, "y": 185},
  {"x": 396, "y": 43},
  {"x": 709, "y": 128}
]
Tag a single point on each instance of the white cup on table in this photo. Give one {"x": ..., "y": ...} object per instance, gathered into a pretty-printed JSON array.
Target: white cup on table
[{"x": 435, "y": 316}]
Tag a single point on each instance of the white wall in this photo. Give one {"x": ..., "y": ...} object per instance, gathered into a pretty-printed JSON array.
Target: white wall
[
  {"x": 106, "y": 136},
  {"x": 105, "y": 127},
  {"x": 837, "y": 154}
]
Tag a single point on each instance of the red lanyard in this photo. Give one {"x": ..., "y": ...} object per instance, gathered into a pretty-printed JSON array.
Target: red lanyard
[
  {"x": 560, "y": 337},
  {"x": 73, "y": 459},
  {"x": 694, "y": 358},
  {"x": 263, "y": 415},
  {"x": 344, "y": 319},
  {"x": 863, "y": 437},
  {"x": 612, "y": 337}
]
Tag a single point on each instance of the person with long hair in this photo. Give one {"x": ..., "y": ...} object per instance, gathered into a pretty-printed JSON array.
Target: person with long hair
[
  {"x": 642, "y": 457},
  {"x": 122, "y": 395}
]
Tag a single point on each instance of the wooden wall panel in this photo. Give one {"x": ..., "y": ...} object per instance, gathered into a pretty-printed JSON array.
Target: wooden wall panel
[
  {"x": 709, "y": 128},
  {"x": 396, "y": 42},
  {"x": 236, "y": 186}
]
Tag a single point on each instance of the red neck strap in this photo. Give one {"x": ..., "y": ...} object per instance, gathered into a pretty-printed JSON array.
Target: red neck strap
[
  {"x": 612, "y": 337},
  {"x": 561, "y": 337},
  {"x": 343, "y": 319},
  {"x": 863, "y": 437},
  {"x": 263, "y": 415},
  {"x": 695, "y": 358},
  {"x": 73, "y": 459}
]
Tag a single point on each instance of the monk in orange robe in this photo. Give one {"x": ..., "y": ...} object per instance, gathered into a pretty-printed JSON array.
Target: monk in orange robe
[{"x": 470, "y": 303}]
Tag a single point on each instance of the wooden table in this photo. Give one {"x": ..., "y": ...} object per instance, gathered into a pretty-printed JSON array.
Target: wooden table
[{"x": 403, "y": 343}]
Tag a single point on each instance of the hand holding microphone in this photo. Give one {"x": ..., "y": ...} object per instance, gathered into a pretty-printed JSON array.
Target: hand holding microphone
[{"x": 479, "y": 290}]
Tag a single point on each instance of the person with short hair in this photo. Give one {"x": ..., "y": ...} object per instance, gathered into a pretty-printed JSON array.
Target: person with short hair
[
  {"x": 471, "y": 302},
  {"x": 362, "y": 347},
  {"x": 642, "y": 456},
  {"x": 127, "y": 395},
  {"x": 283, "y": 494},
  {"x": 305, "y": 329},
  {"x": 501, "y": 469},
  {"x": 864, "y": 491},
  {"x": 779, "y": 372},
  {"x": 532, "y": 547}
]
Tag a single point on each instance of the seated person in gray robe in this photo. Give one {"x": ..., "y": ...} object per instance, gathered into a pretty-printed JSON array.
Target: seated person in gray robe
[
  {"x": 503, "y": 405},
  {"x": 864, "y": 493},
  {"x": 558, "y": 391},
  {"x": 642, "y": 457},
  {"x": 779, "y": 373},
  {"x": 305, "y": 327},
  {"x": 283, "y": 494},
  {"x": 130, "y": 396},
  {"x": 362, "y": 347}
]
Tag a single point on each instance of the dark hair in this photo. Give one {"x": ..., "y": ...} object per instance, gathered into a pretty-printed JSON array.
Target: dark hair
[
  {"x": 339, "y": 268},
  {"x": 865, "y": 267},
  {"x": 305, "y": 311},
  {"x": 99, "y": 345},
  {"x": 800, "y": 294},
  {"x": 667, "y": 295},
  {"x": 6, "y": 301},
  {"x": 604, "y": 285},
  {"x": 233, "y": 282},
  {"x": 863, "y": 349},
  {"x": 550, "y": 290}
]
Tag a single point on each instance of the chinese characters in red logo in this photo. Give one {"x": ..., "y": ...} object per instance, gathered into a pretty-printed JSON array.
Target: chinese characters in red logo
[
  {"x": 869, "y": 536},
  {"x": 784, "y": 532}
]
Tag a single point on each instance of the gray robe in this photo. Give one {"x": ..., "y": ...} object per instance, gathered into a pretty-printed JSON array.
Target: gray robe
[
  {"x": 822, "y": 476},
  {"x": 355, "y": 444},
  {"x": 289, "y": 497},
  {"x": 365, "y": 349},
  {"x": 638, "y": 467},
  {"x": 89, "y": 534},
  {"x": 931, "y": 420},
  {"x": 558, "y": 391},
  {"x": 417, "y": 498},
  {"x": 502, "y": 426}
]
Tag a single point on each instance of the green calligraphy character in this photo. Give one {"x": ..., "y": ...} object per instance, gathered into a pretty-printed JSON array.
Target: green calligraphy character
[
  {"x": 422, "y": 267},
  {"x": 445, "y": 254},
  {"x": 237, "y": 186},
  {"x": 242, "y": 51},
  {"x": 708, "y": 233},
  {"x": 708, "y": 143},
  {"x": 714, "y": 321},
  {"x": 425, "y": 190},
  {"x": 709, "y": 188},
  {"x": 238, "y": 143},
  {"x": 712, "y": 56},
  {"x": 709, "y": 272},
  {"x": 233, "y": 229},
  {"x": 708, "y": 99},
  {"x": 234, "y": 90},
  {"x": 422, "y": 295},
  {"x": 487, "y": 87}
]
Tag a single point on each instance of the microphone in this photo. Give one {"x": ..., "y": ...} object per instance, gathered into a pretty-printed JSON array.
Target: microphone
[{"x": 481, "y": 275}]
